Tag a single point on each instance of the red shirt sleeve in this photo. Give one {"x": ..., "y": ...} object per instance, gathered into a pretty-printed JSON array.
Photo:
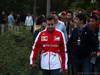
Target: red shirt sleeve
[
  {"x": 62, "y": 51},
  {"x": 36, "y": 48}
]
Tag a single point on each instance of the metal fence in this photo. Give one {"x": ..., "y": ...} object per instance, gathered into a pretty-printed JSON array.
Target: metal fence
[{"x": 5, "y": 27}]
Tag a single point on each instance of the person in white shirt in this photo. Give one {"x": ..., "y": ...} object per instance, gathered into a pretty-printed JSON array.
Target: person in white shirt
[{"x": 29, "y": 21}]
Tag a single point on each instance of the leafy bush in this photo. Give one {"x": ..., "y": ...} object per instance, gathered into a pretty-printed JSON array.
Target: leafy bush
[{"x": 15, "y": 49}]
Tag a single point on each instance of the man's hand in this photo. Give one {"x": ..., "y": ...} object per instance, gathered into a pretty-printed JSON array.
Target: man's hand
[{"x": 33, "y": 65}]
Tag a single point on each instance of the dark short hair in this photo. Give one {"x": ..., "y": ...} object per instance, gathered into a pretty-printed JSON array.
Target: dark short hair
[
  {"x": 50, "y": 17},
  {"x": 40, "y": 20},
  {"x": 70, "y": 12},
  {"x": 82, "y": 17},
  {"x": 94, "y": 17}
]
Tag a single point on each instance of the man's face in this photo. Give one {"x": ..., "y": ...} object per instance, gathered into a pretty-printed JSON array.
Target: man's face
[
  {"x": 50, "y": 25},
  {"x": 76, "y": 20},
  {"x": 69, "y": 16},
  {"x": 92, "y": 22}
]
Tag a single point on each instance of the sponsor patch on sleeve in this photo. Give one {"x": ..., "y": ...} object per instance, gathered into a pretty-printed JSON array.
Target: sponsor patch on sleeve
[
  {"x": 57, "y": 38},
  {"x": 44, "y": 38}
]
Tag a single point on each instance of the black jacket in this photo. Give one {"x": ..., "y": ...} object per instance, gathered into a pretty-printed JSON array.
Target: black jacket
[{"x": 88, "y": 43}]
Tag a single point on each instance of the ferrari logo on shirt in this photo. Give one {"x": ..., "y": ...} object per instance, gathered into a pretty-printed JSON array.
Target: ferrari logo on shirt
[
  {"x": 44, "y": 38},
  {"x": 57, "y": 38}
]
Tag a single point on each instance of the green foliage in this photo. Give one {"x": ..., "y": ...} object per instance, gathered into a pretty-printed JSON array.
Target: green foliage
[
  {"x": 15, "y": 49},
  {"x": 56, "y": 5}
]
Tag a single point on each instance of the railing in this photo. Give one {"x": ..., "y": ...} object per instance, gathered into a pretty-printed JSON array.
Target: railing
[{"x": 5, "y": 27}]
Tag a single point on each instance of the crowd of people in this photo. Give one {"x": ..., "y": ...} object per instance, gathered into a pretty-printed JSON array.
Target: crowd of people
[
  {"x": 9, "y": 20},
  {"x": 67, "y": 41}
]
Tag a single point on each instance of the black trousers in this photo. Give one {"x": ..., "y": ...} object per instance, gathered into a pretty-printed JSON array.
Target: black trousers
[
  {"x": 98, "y": 65},
  {"x": 51, "y": 72}
]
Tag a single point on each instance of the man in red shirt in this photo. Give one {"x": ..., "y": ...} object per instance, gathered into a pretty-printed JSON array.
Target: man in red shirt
[{"x": 52, "y": 44}]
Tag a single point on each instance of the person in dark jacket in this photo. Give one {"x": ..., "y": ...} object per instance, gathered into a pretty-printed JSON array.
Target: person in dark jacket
[
  {"x": 39, "y": 27},
  {"x": 81, "y": 45},
  {"x": 74, "y": 40}
]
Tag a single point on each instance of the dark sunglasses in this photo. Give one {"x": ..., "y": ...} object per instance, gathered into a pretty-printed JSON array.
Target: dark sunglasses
[{"x": 50, "y": 24}]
